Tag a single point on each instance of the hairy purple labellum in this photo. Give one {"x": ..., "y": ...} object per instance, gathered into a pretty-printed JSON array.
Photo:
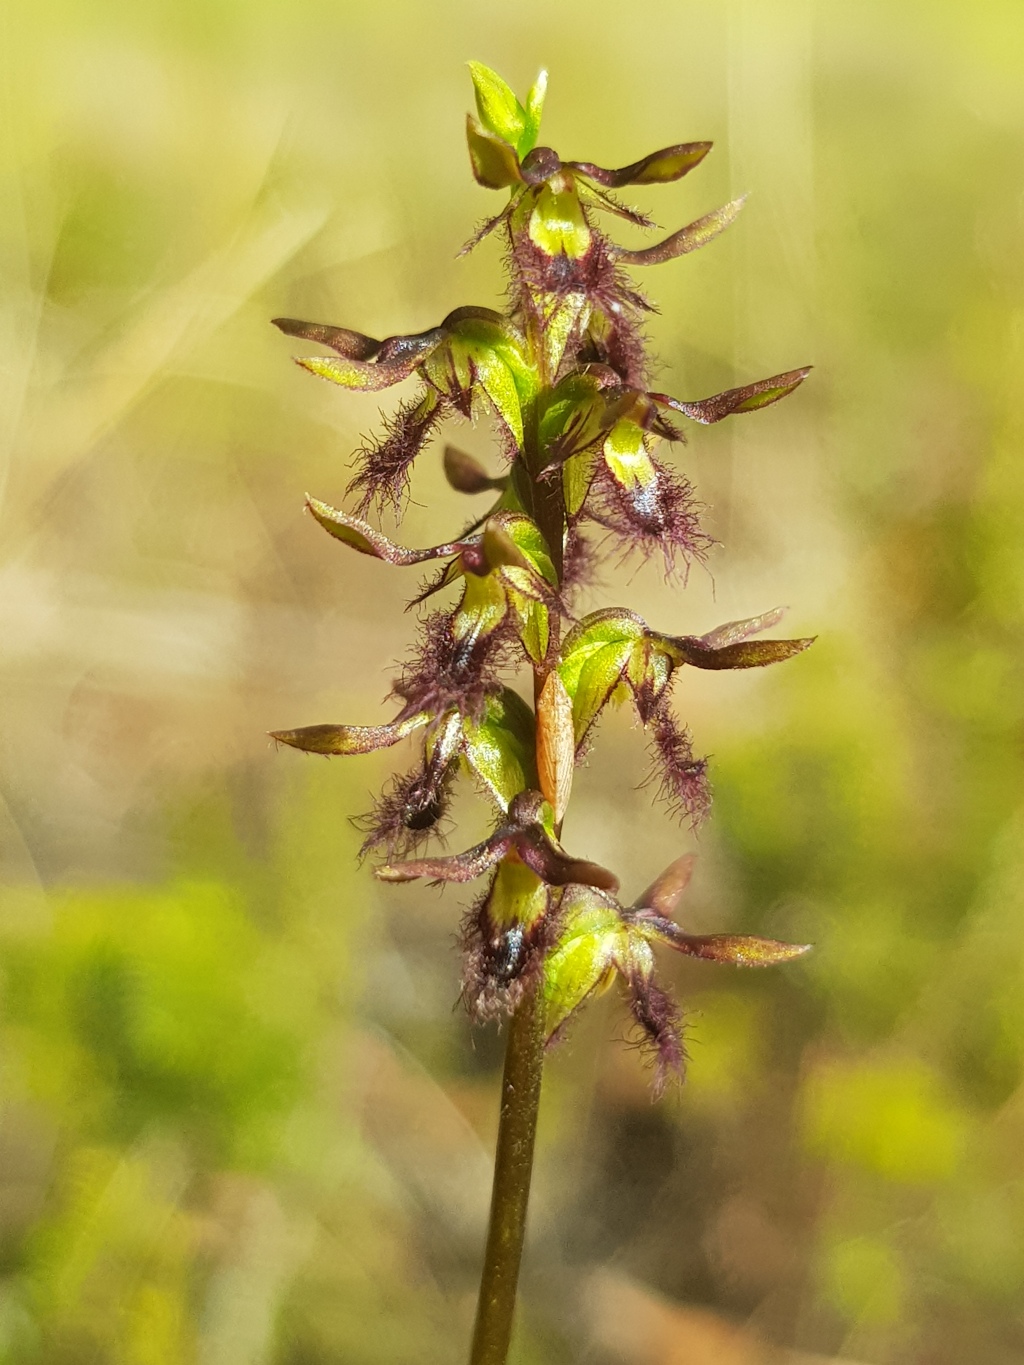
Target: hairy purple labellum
[
  {"x": 382, "y": 476},
  {"x": 445, "y": 672},
  {"x": 662, "y": 515},
  {"x": 411, "y": 809},
  {"x": 502, "y": 961}
]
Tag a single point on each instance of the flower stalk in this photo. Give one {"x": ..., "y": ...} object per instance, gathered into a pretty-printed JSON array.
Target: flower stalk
[
  {"x": 513, "y": 1170},
  {"x": 562, "y": 377}
]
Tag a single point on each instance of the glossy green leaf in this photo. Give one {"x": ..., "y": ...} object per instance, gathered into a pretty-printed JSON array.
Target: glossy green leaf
[
  {"x": 525, "y": 534},
  {"x": 483, "y": 606},
  {"x": 534, "y": 626},
  {"x": 563, "y": 317},
  {"x": 569, "y": 418},
  {"x": 583, "y": 960},
  {"x": 598, "y": 678},
  {"x": 486, "y": 354},
  {"x": 612, "y": 625},
  {"x": 499, "y": 548},
  {"x": 577, "y": 476},
  {"x": 497, "y": 381}
]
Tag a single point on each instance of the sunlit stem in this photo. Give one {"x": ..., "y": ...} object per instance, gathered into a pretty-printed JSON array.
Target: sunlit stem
[
  {"x": 524, "y": 1055},
  {"x": 513, "y": 1167}
]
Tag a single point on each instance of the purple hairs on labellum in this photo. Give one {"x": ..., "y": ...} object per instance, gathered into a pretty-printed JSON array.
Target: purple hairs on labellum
[
  {"x": 411, "y": 809},
  {"x": 445, "y": 672}
]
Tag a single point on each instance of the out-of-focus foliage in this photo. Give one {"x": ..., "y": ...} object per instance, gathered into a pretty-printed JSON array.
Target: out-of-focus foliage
[{"x": 239, "y": 1119}]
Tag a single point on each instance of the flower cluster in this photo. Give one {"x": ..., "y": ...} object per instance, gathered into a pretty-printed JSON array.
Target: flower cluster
[{"x": 562, "y": 376}]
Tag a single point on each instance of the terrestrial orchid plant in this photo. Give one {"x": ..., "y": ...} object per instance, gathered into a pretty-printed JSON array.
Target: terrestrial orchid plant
[{"x": 562, "y": 376}]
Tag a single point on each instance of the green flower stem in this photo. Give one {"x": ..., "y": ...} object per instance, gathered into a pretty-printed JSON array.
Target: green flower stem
[
  {"x": 513, "y": 1167},
  {"x": 524, "y": 1052}
]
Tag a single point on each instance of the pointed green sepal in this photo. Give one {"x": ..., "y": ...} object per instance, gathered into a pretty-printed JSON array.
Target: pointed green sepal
[
  {"x": 495, "y": 164},
  {"x": 369, "y": 541},
  {"x": 746, "y": 398},
  {"x": 349, "y": 739},
  {"x": 499, "y": 110},
  {"x": 689, "y": 238},
  {"x": 584, "y": 960},
  {"x": 534, "y": 110},
  {"x": 594, "y": 658}
]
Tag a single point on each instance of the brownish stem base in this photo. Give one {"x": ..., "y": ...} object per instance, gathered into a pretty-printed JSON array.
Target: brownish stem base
[{"x": 513, "y": 1167}]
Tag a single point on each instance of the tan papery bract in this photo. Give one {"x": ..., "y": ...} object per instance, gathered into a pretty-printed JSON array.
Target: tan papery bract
[{"x": 556, "y": 747}]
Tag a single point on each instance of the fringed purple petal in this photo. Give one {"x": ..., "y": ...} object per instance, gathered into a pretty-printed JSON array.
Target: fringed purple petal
[
  {"x": 660, "y": 1022},
  {"x": 382, "y": 467},
  {"x": 683, "y": 778}
]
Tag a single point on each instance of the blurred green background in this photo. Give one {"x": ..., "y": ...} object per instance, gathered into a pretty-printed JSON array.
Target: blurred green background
[{"x": 240, "y": 1121}]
